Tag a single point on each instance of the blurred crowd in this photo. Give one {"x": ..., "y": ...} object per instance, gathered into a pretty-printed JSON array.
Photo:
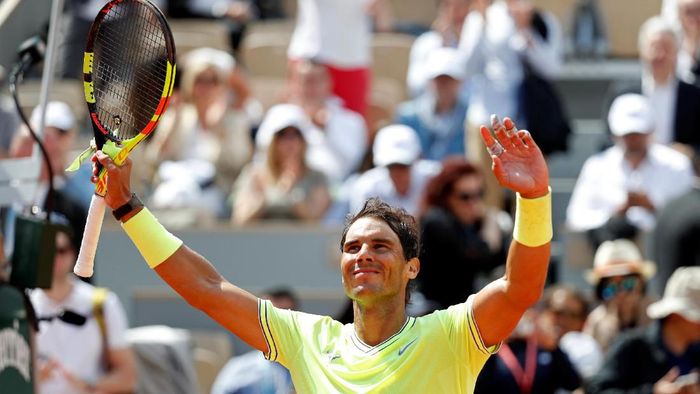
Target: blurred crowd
[{"x": 317, "y": 147}]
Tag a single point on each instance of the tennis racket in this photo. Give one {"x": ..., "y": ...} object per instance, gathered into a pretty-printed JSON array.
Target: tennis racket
[{"x": 128, "y": 75}]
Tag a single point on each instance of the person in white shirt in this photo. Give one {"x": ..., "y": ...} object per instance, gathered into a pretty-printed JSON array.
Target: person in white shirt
[
  {"x": 338, "y": 33},
  {"x": 497, "y": 38},
  {"x": 73, "y": 356},
  {"x": 688, "y": 15},
  {"x": 400, "y": 176},
  {"x": 620, "y": 189},
  {"x": 337, "y": 141},
  {"x": 446, "y": 32}
]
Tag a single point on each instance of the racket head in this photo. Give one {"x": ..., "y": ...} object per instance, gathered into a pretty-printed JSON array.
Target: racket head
[{"x": 128, "y": 70}]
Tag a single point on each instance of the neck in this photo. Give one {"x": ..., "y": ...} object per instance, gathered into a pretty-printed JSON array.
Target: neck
[
  {"x": 374, "y": 324},
  {"x": 674, "y": 336},
  {"x": 662, "y": 78},
  {"x": 635, "y": 159},
  {"x": 60, "y": 288}
]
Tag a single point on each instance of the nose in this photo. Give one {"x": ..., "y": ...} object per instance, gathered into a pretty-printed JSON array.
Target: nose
[{"x": 364, "y": 253}]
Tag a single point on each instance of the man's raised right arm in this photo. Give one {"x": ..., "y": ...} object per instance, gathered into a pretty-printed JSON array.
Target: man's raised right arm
[{"x": 184, "y": 270}]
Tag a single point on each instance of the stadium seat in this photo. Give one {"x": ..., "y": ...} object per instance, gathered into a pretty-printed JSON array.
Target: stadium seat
[
  {"x": 417, "y": 12},
  {"x": 265, "y": 55},
  {"x": 268, "y": 90},
  {"x": 385, "y": 95},
  {"x": 390, "y": 54},
  {"x": 622, "y": 20},
  {"x": 212, "y": 349},
  {"x": 195, "y": 33},
  {"x": 69, "y": 91}
]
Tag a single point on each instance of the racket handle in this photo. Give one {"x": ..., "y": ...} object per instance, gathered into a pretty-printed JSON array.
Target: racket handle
[{"x": 93, "y": 226}]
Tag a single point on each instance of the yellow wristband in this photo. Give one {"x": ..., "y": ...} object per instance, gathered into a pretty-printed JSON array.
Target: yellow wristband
[
  {"x": 533, "y": 220},
  {"x": 154, "y": 242}
]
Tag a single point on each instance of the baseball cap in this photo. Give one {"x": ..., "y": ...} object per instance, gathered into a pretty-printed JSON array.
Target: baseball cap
[
  {"x": 630, "y": 113},
  {"x": 618, "y": 258},
  {"x": 396, "y": 144},
  {"x": 445, "y": 61},
  {"x": 58, "y": 115},
  {"x": 278, "y": 118},
  {"x": 681, "y": 296}
]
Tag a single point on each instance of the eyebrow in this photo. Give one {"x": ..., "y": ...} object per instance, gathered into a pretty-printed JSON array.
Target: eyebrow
[{"x": 374, "y": 240}]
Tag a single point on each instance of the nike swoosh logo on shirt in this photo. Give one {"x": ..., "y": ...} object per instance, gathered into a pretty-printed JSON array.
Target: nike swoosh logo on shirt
[{"x": 406, "y": 346}]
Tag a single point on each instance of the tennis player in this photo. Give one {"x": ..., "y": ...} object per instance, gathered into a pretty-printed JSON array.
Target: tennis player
[{"x": 383, "y": 350}]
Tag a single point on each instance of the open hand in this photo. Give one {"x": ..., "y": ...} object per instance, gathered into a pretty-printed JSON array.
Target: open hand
[{"x": 518, "y": 163}]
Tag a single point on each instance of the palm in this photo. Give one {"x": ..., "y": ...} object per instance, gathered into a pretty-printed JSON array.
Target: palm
[{"x": 521, "y": 167}]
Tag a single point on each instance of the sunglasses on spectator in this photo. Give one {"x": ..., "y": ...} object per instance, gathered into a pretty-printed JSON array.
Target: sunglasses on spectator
[
  {"x": 469, "y": 196},
  {"x": 613, "y": 287},
  {"x": 62, "y": 249}
]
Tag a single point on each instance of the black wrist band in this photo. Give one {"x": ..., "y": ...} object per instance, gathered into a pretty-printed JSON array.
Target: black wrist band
[{"x": 130, "y": 205}]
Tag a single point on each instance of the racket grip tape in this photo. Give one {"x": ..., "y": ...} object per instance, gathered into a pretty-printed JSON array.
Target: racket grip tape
[{"x": 93, "y": 227}]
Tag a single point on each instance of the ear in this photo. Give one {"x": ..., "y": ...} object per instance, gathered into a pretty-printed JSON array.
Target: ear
[{"x": 413, "y": 267}]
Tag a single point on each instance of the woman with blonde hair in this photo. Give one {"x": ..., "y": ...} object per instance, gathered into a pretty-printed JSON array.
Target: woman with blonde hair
[
  {"x": 204, "y": 129},
  {"x": 279, "y": 184}
]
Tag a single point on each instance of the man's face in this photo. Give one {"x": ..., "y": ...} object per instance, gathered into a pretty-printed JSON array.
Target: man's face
[
  {"x": 689, "y": 14},
  {"x": 446, "y": 88},
  {"x": 660, "y": 54},
  {"x": 311, "y": 82},
  {"x": 635, "y": 143},
  {"x": 373, "y": 265},
  {"x": 65, "y": 256},
  {"x": 567, "y": 312}
]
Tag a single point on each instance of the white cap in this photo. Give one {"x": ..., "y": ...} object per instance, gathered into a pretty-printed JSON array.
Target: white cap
[
  {"x": 445, "y": 61},
  {"x": 58, "y": 115},
  {"x": 278, "y": 118},
  {"x": 396, "y": 144},
  {"x": 681, "y": 296},
  {"x": 630, "y": 113}
]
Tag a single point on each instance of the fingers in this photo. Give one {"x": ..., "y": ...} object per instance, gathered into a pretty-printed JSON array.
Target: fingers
[
  {"x": 493, "y": 146},
  {"x": 500, "y": 131}
]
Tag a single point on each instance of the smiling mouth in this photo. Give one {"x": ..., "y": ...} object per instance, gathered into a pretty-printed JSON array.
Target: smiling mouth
[{"x": 364, "y": 272}]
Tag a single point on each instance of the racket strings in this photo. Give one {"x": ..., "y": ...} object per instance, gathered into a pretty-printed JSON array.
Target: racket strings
[{"x": 129, "y": 69}]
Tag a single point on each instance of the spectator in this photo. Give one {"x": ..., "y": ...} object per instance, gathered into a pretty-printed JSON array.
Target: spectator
[
  {"x": 445, "y": 33},
  {"x": 497, "y": 38},
  {"x": 529, "y": 362},
  {"x": 87, "y": 353},
  {"x": 462, "y": 237},
  {"x": 338, "y": 34},
  {"x": 438, "y": 114},
  {"x": 619, "y": 277},
  {"x": 563, "y": 317},
  {"x": 620, "y": 189},
  {"x": 675, "y": 102},
  {"x": 400, "y": 176},
  {"x": 58, "y": 137},
  {"x": 663, "y": 357},
  {"x": 281, "y": 185},
  {"x": 209, "y": 138},
  {"x": 338, "y": 140},
  {"x": 250, "y": 373},
  {"x": 688, "y": 66},
  {"x": 678, "y": 230}
]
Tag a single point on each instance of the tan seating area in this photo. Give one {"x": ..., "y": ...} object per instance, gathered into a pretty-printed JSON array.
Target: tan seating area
[
  {"x": 622, "y": 20},
  {"x": 195, "y": 33}
]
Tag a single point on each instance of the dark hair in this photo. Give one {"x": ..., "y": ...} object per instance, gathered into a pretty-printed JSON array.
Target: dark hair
[
  {"x": 401, "y": 223},
  {"x": 283, "y": 292},
  {"x": 569, "y": 291},
  {"x": 441, "y": 185}
]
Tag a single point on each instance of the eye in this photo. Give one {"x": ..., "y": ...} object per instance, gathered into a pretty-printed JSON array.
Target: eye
[{"x": 352, "y": 248}]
